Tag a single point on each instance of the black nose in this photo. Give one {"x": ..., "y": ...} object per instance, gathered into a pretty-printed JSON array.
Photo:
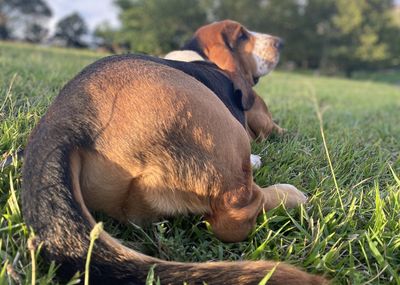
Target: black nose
[{"x": 278, "y": 44}]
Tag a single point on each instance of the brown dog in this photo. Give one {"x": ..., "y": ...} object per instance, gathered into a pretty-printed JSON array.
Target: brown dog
[{"x": 139, "y": 139}]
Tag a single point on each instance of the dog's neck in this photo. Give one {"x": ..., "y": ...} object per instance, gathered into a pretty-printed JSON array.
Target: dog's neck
[{"x": 184, "y": 55}]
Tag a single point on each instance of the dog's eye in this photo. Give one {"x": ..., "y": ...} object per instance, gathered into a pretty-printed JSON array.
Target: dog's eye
[{"x": 242, "y": 36}]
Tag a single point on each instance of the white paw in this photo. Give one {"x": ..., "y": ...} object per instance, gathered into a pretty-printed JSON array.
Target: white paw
[
  {"x": 255, "y": 161},
  {"x": 293, "y": 196}
]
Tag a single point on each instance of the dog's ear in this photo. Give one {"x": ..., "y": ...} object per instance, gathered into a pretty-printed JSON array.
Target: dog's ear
[
  {"x": 230, "y": 35},
  {"x": 247, "y": 99},
  {"x": 243, "y": 89},
  {"x": 224, "y": 55}
]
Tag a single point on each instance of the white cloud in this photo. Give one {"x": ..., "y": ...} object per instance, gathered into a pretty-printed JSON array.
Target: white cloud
[{"x": 94, "y": 12}]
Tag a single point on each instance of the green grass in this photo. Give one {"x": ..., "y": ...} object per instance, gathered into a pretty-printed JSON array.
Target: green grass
[
  {"x": 349, "y": 231},
  {"x": 388, "y": 76}
]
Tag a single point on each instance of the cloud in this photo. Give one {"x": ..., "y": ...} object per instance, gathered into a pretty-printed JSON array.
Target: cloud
[{"x": 94, "y": 12}]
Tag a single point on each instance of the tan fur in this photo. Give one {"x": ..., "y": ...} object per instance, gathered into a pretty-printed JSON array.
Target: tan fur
[{"x": 259, "y": 120}]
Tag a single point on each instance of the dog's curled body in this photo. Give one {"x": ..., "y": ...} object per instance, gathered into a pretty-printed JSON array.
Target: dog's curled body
[{"x": 137, "y": 139}]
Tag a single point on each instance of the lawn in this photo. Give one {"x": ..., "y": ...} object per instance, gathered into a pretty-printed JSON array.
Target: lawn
[{"x": 342, "y": 148}]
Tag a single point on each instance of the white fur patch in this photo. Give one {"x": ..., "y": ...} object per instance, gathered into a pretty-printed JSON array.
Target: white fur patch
[
  {"x": 255, "y": 161},
  {"x": 183, "y": 55}
]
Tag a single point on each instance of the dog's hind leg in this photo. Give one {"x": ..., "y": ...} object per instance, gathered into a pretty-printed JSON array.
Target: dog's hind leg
[
  {"x": 235, "y": 212},
  {"x": 285, "y": 194}
]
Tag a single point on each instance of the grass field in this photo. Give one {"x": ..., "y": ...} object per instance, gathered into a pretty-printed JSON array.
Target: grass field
[{"x": 349, "y": 230}]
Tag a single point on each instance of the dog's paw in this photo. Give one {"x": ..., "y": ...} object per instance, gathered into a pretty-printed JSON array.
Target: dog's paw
[
  {"x": 278, "y": 130},
  {"x": 286, "y": 194},
  {"x": 294, "y": 196},
  {"x": 255, "y": 161}
]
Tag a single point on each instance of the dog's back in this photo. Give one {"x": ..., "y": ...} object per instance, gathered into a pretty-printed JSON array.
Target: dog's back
[{"x": 212, "y": 77}]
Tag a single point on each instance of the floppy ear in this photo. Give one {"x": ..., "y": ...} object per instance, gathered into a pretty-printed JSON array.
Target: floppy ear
[
  {"x": 223, "y": 54},
  {"x": 230, "y": 34},
  {"x": 247, "y": 98}
]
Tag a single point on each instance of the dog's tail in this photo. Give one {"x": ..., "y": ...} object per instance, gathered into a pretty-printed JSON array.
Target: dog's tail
[{"x": 53, "y": 207}]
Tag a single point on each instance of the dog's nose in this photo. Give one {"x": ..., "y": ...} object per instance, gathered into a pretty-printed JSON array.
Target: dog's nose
[{"x": 278, "y": 44}]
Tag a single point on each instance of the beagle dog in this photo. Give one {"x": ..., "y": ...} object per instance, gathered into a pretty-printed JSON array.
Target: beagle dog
[
  {"x": 259, "y": 123},
  {"x": 140, "y": 138}
]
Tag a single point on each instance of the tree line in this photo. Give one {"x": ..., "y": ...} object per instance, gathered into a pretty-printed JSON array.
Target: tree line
[
  {"x": 28, "y": 20},
  {"x": 329, "y": 35}
]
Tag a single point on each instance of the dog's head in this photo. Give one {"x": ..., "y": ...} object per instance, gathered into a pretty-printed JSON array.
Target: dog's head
[{"x": 244, "y": 55}]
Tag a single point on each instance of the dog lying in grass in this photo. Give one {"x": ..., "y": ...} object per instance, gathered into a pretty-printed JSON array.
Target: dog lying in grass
[
  {"x": 258, "y": 119},
  {"x": 259, "y": 123},
  {"x": 140, "y": 138}
]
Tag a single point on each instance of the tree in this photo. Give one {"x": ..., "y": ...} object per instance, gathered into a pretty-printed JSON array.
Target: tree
[
  {"x": 358, "y": 29},
  {"x": 71, "y": 30},
  {"x": 247, "y": 12},
  {"x": 35, "y": 33},
  {"x": 392, "y": 36},
  {"x": 4, "y": 32},
  {"x": 106, "y": 37},
  {"x": 158, "y": 26},
  {"x": 311, "y": 37},
  {"x": 24, "y": 19}
]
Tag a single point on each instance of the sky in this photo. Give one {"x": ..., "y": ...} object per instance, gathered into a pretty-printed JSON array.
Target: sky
[{"x": 93, "y": 11}]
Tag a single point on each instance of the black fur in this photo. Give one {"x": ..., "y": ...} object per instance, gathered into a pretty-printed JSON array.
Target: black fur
[{"x": 194, "y": 45}]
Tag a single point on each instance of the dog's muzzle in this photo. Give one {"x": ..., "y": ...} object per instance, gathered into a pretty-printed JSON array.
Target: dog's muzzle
[{"x": 266, "y": 53}]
